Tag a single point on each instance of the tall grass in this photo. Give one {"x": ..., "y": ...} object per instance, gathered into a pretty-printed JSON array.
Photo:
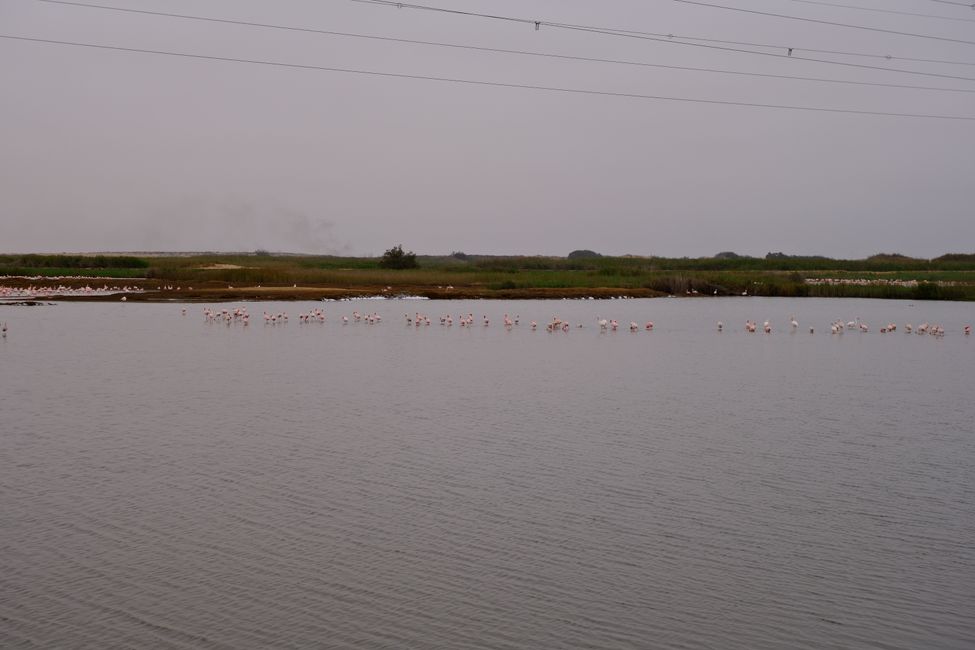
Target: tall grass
[
  {"x": 71, "y": 272},
  {"x": 950, "y": 277},
  {"x": 34, "y": 261}
]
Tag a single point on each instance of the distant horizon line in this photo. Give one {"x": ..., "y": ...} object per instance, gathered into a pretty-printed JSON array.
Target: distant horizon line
[{"x": 263, "y": 252}]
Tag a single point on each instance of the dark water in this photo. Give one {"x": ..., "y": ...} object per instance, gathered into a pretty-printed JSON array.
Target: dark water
[{"x": 170, "y": 483}]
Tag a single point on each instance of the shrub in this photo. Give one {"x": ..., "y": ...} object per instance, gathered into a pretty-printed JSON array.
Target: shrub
[
  {"x": 395, "y": 258},
  {"x": 583, "y": 253}
]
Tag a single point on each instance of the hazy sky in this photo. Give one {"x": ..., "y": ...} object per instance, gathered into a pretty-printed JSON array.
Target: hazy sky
[{"x": 107, "y": 150}]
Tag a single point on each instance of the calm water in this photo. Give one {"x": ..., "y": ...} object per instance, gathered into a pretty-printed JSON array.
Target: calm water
[{"x": 175, "y": 484}]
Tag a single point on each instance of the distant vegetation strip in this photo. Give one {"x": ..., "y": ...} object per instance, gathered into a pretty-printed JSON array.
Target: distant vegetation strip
[
  {"x": 949, "y": 277},
  {"x": 34, "y": 261},
  {"x": 64, "y": 272}
]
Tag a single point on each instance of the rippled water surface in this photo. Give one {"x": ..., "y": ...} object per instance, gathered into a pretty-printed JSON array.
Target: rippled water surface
[{"x": 170, "y": 483}]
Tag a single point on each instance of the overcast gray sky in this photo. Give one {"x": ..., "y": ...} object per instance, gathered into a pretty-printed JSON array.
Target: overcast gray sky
[{"x": 107, "y": 150}]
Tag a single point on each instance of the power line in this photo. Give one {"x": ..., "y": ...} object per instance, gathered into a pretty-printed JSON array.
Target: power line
[
  {"x": 885, "y": 11},
  {"x": 492, "y": 84},
  {"x": 771, "y": 54},
  {"x": 825, "y": 22},
  {"x": 959, "y": 4},
  {"x": 683, "y": 40},
  {"x": 888, "y": 57},
  {"x": 508, "y": 51}
]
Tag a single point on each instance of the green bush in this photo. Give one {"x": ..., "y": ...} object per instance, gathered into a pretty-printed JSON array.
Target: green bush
[{"x": 395, "y": 258}]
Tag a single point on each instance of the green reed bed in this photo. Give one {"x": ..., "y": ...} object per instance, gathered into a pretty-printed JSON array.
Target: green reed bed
[
  {"x": 72, "y": 272},
  {"x": 949, "y": 277}
]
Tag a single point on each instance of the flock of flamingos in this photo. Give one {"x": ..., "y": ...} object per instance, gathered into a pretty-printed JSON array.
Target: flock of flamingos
[
  {"x": 45, "y": 293},
  {"x": 239, "y": 315}
]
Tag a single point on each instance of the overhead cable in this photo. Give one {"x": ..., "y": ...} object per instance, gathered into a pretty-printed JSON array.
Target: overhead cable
[
  {"x": 492, "y": 84},
  {"x": 959, "y": 4},
  {"x": 825, "y": 22},
  {"x": 885, "y": 11},
  {"x": 528, "y": 53},
  {"x": 674, "y": 38}
]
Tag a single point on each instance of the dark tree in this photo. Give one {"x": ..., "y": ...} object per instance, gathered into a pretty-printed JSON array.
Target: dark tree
[
  {"x": 583, "y": 253},
  {"x": 395, "y": 258}
]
